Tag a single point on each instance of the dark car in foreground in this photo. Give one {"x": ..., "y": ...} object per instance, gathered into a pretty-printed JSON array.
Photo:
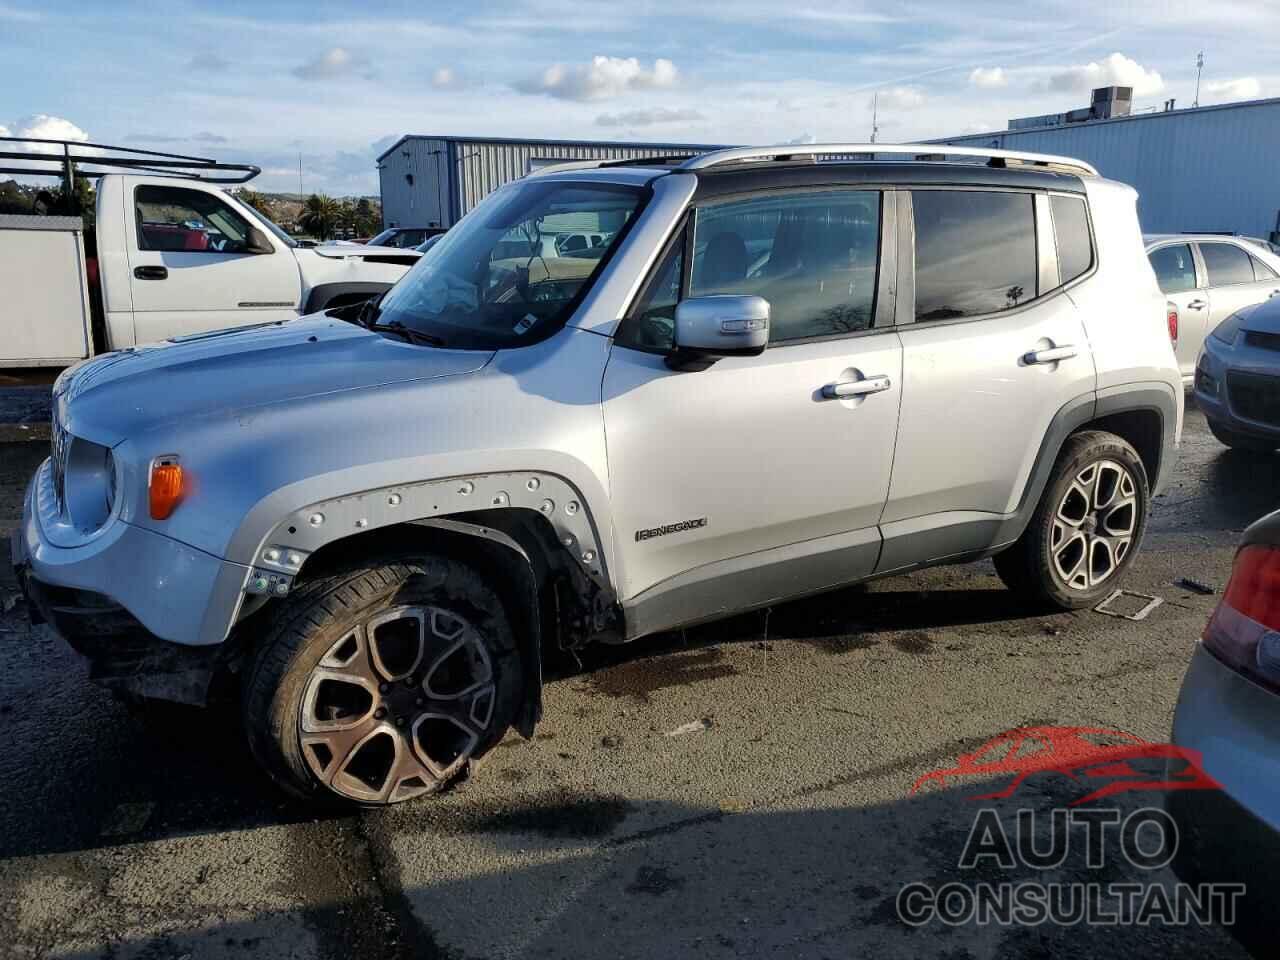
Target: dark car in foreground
[
  {"x": 1237, "y": 382},
  {"x": 1229, "y": 711}
]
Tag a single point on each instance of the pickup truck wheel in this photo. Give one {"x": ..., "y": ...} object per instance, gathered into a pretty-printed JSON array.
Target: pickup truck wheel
[
  {"x": 1086, "y": 528},
  {"x": 383, "y": 683}
]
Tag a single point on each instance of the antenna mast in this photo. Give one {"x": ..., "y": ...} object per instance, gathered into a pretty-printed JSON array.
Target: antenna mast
[
  {"x": 875, "y": 115},
  {"x": 1199, "y": 67}
]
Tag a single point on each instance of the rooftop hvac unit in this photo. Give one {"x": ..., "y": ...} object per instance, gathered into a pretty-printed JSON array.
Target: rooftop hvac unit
[{"x": 1111, "y": 102}]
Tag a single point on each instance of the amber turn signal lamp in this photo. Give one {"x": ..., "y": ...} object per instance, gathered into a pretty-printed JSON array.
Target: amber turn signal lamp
[{"x": 165, "y": 486}]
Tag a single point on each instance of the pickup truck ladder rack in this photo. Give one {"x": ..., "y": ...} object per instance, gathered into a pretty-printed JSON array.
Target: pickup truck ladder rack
[
  {"x": 868, "y": 151},
  {"x": 70, "y": 158}
]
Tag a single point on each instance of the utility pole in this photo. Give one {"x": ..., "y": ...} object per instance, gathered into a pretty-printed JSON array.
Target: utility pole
[
  {"x": 875, "y": 115},
  {"x": 299, "y": 174},
  {"x": 1199, "y": 67}
]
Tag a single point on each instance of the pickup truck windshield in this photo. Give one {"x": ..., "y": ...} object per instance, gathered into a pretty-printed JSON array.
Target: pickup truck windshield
[{"x": 503, "y": 276}]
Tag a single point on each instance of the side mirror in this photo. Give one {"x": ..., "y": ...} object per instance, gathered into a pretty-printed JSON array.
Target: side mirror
[
  {"x": 258, "y": 242},
  {"x": 708, "y": 328}
]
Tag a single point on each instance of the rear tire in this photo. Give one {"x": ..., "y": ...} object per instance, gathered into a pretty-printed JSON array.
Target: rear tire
[
  {"x": 1241, "y": 441},
  {"x": 383, "y": 682},
  {"x": 1086, "y": 528}
]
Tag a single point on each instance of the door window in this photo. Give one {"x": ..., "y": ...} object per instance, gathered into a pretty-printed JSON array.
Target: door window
[
  {"x": 188, "y": 221},
  {"x": 1226, "y": 264},
  {"x": 1071, "y": 230},
  {"x": 813, "y": 256},
  {"x": 975, "y": 252},
  {"x": 1174, "y": 267}
]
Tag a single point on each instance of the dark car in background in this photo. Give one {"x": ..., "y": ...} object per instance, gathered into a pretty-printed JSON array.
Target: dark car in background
[
  {"x": 1237, "y": 378},
  {"x": 404, "y": 237}
]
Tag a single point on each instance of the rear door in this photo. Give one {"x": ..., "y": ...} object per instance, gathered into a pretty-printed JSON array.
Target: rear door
[
  {"x": 191, "y": 264},
  {"x": 743, "y": 482},
  {"x": 992, "y": 351},
  {"x": 1176, "y": 273}
]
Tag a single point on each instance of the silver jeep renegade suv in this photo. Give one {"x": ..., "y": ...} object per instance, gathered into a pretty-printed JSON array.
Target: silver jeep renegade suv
[{"x": 774, "y": 375}]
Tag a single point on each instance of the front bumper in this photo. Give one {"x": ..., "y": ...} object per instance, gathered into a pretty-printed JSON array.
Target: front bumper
[
  {"x": 1231, "y": 835},
  {"x": 1216, "y": 366},
  {"x": 174, "y": 592}
]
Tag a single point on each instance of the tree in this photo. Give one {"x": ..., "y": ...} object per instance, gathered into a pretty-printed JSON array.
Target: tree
[
  {"x": 256, "y": 200},
  {"x": 366, "y": 220},
  {"x": 13, "y": 199},
  {"x": 320, "y": 216}
]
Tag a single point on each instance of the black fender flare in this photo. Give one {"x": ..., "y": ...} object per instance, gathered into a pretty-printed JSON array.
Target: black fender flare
[
  {"x": 495, "y": 550},
  {"x": 324, "y": 294}
]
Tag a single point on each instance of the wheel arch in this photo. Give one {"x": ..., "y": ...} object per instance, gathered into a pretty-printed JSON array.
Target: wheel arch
[{"x": 324, "y": 295}]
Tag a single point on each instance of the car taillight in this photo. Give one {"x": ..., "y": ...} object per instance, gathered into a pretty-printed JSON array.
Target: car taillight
[
  {"x": 1244, "y": 632},
  {"x": 1171, "y": 314}
]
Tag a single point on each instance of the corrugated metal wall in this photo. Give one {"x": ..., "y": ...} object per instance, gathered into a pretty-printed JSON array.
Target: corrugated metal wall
[
  {"x": 1211, "y": 169},
  {"x": 448, "y": 183}
]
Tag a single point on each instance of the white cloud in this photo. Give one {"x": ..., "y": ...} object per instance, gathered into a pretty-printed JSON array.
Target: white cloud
[
  {"x": 602, "y": 78},
  {"x": 803, "y": 138},
  {"x": 898, "y": 98},
  {"x": 334, "y": 63},
  {"x": 41, "y": 126},
  {"x": 988, "y": 78},
  {"x": 1116, "y": 69},
  {"x": 1242, "y": 88},
  {"x": 649, "y": 118}
]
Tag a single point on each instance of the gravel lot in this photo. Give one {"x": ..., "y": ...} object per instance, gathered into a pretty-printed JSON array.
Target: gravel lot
[{"x": 742, "y": 789}]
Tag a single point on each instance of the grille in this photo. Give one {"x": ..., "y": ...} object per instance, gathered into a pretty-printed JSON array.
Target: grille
[
  {"x": 59, "y": 443},
  {"x": 1255, "y": 397},
  {"x": 1267, "y": 341}
]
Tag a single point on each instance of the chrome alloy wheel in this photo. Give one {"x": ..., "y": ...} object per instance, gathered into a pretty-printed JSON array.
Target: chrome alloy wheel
[
  {"x": 1094, "y": 524},
  {"x": 397, "y": 705}
]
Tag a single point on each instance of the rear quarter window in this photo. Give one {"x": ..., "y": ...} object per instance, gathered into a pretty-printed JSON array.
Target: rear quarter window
[{"x": 1071, "y": 231}]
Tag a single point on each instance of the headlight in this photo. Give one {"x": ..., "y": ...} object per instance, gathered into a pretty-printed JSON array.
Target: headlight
[
  {"x": 90, "y": 482},
  {"x": 110, "y": 467},
  {"x": 1226, "y": 331}
]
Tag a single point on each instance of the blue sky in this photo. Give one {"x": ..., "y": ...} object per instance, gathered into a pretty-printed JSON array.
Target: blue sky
[{"x": 263, "y": 82}]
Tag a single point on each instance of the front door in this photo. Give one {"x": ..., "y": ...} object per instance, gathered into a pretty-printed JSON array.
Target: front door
[
  {"x": 1175, "y": 270},
  {"x": 744, "y": 479},
  {"x": 191, "y": 267}
]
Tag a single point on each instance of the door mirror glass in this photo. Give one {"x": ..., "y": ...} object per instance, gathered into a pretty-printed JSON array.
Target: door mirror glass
[
  {"x": 258, "y": 242},
  {"x": 708, "y": 328}
]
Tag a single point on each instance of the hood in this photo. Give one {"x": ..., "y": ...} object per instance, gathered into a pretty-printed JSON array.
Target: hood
[
  {"x": 1263, "y": 317},
  {"x": 362, "y": 251},
  {"x": 120, "y": 395}
]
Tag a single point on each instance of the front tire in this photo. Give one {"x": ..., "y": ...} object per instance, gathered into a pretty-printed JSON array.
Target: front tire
[
  {"x": 1240, "y": 441},
  {"x": 1086, "y": 528},
  {"x": 382, "y": 683}
]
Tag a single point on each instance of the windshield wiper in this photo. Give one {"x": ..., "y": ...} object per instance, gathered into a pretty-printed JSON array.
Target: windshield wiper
[{"x": 411, "y": 335}]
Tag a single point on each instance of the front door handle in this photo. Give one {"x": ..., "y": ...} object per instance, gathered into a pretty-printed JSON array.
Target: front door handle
[
  {"x": 150, "y": 273},
  {"x": 1200, "y": 304},
  {"x": 856, "y": 388},
  {"x": 1051, "y": 355}
]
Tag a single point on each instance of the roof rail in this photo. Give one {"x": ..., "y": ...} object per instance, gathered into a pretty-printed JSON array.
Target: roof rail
[
  {"x": 917, "y": 151},
  {"x": 66, "y": 158}
]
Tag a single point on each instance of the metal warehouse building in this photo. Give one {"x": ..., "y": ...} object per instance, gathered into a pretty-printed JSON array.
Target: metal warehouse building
[
  {"x": 428, "y": 181},
  {"x": 1211, "y": 169}
]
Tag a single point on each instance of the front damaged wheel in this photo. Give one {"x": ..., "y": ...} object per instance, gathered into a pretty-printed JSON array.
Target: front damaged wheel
[{"x": 381, "y": 684}]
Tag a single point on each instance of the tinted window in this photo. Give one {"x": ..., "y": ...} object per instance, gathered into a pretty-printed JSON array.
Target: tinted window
[
  {"x": 1071, "y": 229},
  {"x": 651, "y": 324},
  {"x": 1226, "y": 264},
  {"x": 1261, "y": 271},
  {"x": 1175, "y": 270},
  {"x": 813, "y": 256},
  {"x": 190, "y": 221},
  {"x": 975, "y": 252}
]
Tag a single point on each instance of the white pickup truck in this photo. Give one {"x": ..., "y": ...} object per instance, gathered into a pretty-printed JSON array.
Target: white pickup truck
[{"x": 169, "y": 256}]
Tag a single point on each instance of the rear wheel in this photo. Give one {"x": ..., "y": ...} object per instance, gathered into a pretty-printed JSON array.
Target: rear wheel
[
  {"x": 1241, "y": 441},
  {"x": 1086, "y": 528},
  {"x": 380, "y": 684}
]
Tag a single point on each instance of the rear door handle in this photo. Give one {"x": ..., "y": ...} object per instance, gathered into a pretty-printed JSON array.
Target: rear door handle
[
  {"x": 150, "y": 273},
  {"x": 1051, "y": 355},
  {"x": 856, "y": 388},
  {"x": 1273, "y": 293},
  {"x": 1200, "y": 304}
]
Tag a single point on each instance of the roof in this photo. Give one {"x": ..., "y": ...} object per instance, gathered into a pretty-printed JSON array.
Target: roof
[
  {"x": 518, "y": 141},
  {"x": 1146, "y": 115}
]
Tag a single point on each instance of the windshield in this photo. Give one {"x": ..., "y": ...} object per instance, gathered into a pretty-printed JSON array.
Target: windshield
[
  {"x": 262, "y": 219},
  {"x": 498, "y": 278}
]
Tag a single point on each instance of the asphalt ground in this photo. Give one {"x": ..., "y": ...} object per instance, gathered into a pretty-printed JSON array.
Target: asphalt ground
[{"x": 740, "y": 789}]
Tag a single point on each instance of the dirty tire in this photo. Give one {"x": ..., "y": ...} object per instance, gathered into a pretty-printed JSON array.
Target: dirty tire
[
  {"x": 1073, "y": 552},
  {"x": 1241, "y": 441},
  {"x": 336, "y": 671}
]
